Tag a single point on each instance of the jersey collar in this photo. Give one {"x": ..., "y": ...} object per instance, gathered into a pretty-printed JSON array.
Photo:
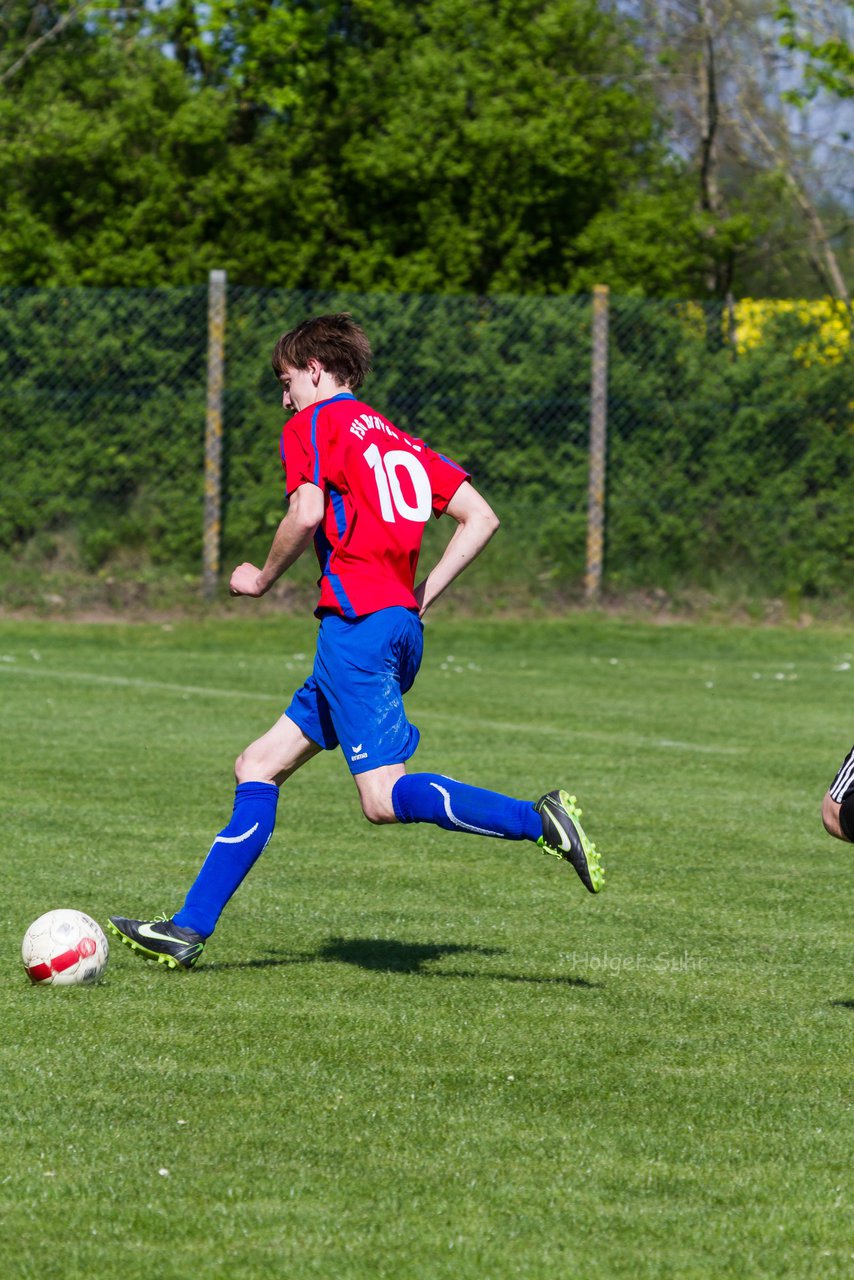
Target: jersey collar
[{"x": 342, "y": 395}]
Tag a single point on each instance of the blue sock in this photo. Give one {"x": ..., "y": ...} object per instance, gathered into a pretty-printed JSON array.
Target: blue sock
[
  {"x": 233, "y": 853},
  {"x": 430, "y": 797}
]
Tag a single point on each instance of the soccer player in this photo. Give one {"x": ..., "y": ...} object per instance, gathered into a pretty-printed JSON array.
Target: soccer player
[
  {"x": 837, "y": 807},
  {"x": 362, "y": 491}
]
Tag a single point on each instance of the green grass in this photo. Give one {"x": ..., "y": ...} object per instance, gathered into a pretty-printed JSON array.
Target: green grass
[{"x": 413, "y": 1055}]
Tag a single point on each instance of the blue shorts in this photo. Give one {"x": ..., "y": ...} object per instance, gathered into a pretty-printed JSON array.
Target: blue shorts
[{"x": 354, "y": 696}]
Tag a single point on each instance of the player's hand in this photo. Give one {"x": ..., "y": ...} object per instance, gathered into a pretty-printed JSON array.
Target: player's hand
[{"x": 244, "y": 580}]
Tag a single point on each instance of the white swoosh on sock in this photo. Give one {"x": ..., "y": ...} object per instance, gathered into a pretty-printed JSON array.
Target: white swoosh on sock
[
  {"x": 236, "y": 839},
  {"x": 464, "y": 826}
]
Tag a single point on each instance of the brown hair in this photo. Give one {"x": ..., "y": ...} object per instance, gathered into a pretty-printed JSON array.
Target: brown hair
[{"x": 336, "y": 341}]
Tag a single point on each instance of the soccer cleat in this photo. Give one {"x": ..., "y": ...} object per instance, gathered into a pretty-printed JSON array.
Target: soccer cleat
[
  {"x": 564, "y": 837},
  {"x": 161, "y": 940}
]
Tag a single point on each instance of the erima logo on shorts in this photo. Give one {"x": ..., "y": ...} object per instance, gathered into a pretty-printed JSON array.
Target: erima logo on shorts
[{"x": 358, "y": 753}]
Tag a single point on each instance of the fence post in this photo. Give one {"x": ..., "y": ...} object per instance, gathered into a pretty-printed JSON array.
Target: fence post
[
  {"x": 598, "y": 438},
  {"x": 213, "y": 433}
]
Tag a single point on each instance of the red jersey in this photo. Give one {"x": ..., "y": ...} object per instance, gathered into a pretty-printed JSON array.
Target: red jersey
[{"x": 380, "y": 487}]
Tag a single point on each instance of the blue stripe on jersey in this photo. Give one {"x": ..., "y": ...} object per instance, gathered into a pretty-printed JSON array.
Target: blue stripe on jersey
[
  {"x": 451, "y": 463},
  {"x": 314, "y": 418},
  {"x": 341, "y": 596},
  {"x": 339, "y": 511},
  {"x": 324, "y": 549},
  {"x": 344, "y": 395}
]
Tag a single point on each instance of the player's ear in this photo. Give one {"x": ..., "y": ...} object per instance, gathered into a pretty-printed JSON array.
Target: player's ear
[{"x": 315, "y": 368}]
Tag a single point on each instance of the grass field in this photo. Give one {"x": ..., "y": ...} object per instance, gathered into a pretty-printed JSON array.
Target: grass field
[{"x": 416, "y": 1055}]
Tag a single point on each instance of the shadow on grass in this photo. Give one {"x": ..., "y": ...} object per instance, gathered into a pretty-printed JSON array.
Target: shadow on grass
[
  {"x": 388, "y": 955},
  {"x": 843, "y": 1004}
]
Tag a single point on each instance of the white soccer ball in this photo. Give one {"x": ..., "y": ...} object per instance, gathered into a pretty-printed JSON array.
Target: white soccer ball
[{"x": 63, "y": 948}]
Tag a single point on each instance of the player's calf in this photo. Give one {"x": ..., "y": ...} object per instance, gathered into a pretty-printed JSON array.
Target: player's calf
[{"x": 375, "y": 787}]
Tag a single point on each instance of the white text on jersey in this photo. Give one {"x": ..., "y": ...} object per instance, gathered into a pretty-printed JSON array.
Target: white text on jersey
[{"x": 367, "y": 422}]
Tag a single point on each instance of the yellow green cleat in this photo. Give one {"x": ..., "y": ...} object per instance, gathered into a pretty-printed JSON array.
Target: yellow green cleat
[
  {"x": 564, "y": 837},
  {"x": 161, "y": 940}
]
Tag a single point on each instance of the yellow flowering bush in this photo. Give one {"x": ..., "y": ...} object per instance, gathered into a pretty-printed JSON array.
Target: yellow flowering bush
[{"x": 826, "y": 323}]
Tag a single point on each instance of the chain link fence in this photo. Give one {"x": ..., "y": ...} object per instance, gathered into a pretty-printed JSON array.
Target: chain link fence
[{"x": 728, "y": 436}]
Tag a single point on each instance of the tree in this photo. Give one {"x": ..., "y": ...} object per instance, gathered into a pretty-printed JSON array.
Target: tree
[
  {"x": 378, "y": 144},
  {"x": 443, "y": 145},
  {"x": 116, "y": 163},
  {"x": 766, "y": 173},
  {"x": 26, "y": 31},
  {"x": 821, "y": 32}
]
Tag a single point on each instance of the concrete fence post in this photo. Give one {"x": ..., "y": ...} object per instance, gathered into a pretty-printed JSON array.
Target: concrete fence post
[
  {"x": 213, "y": 433},
  {"x": 598, "y": 444}
]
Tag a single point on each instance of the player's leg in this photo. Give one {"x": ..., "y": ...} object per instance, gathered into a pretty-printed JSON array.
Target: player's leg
[
  {"x": 375, "y": 787},
  {"x": 553, "y": 822},
  {"x": 390, "y": 794},
  {"x": 830, "y": 816},
  {"x": 178, "y": 940},
  {"x": 364, "y": 669},
  {"x": 837, "y": 806},
  {"x": 260, "y": 770}
]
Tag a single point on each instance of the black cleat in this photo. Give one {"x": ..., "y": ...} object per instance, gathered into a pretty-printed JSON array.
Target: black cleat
[
  {"x": 161, "y": 940},
  {"x": 564, "y": 837}
]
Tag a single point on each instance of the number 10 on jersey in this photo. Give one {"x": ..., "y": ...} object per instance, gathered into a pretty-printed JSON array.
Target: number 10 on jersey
[{"x": 386, "y": 468}]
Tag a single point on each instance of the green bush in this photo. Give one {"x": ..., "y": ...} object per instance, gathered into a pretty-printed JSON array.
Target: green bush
[
  {"x": 718, "y": 462},
  {"x": 104, "y": 412},
  {"x": 725, "y": 462}
]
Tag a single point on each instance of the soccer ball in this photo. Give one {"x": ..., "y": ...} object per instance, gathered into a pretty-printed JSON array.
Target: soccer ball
[{"x": 65, "y": 947}]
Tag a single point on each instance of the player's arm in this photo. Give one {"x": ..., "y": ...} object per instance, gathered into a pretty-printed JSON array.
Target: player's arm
[
  {"x": 293, "y": 535},
  {"x": 838, "y": 818},
  {"x": 476, "y": 523}
]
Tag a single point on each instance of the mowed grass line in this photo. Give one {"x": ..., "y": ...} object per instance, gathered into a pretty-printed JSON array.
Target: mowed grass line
[{"x": 412, "y": 1054}]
